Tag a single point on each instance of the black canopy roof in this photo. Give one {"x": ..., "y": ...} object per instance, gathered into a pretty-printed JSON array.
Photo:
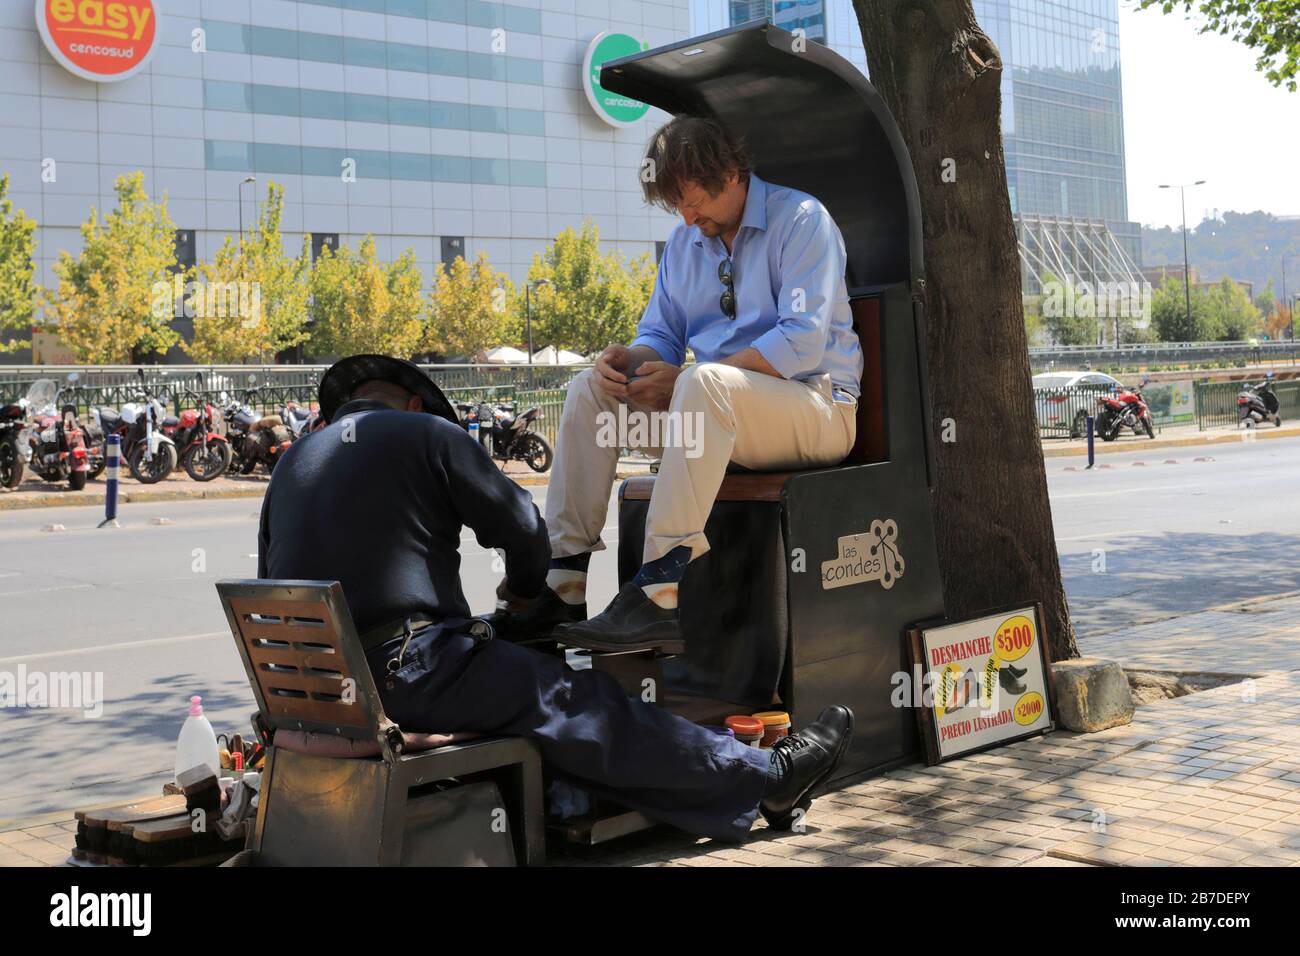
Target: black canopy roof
[{"x": 811, "y": 121}]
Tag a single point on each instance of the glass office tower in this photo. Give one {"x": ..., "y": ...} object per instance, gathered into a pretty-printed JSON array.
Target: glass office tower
[{"x": 1062, "y": 110}]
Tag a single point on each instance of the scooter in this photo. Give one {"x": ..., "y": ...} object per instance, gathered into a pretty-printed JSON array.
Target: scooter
[
  {"x": 1257, "y": 404},
  {"x": 1125, "y": 407}
]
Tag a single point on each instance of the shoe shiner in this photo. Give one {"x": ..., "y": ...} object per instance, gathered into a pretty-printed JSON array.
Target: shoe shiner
[
  {"x": 752, "y": 281},
  {"x": 376, "y": 500}
]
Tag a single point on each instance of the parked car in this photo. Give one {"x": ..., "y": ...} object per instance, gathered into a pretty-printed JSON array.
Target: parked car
[{"x": 1064, "y": 399}]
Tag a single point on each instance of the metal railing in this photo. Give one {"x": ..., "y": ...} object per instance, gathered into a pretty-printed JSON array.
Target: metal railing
[
  {"x": 1162, "y": 353},
  {"x": 1216, "y": 402},
  {"x": 1061, "y": 412}
]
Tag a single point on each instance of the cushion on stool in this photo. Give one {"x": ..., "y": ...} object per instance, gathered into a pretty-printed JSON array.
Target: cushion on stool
[{"x": 332, "y": 745}]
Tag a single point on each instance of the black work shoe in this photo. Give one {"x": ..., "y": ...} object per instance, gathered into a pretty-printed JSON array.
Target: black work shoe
[
  {"x": 632, "y": 622},
  {"x": 538, "y": 620},
  {"x": 813, "y": 755}
]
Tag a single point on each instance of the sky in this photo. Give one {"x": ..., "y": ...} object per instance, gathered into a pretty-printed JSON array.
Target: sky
[{"x": 1195, "y": 108}]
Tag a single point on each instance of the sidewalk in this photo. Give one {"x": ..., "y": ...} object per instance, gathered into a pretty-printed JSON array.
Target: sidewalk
[{"x": 1208, "y": 779}]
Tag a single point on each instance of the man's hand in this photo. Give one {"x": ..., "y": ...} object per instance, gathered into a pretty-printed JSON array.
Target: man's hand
[
  {"x": 653, "y": 385},
  {"x": 610, "y": 369},
  {"x": 508, "y": 601}
]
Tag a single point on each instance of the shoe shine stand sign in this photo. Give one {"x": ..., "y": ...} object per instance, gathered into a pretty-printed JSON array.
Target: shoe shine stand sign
[{"x": 982, "y": 682}]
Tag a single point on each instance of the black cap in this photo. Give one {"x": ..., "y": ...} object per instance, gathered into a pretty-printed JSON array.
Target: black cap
[{"x": 339, "y": 380}]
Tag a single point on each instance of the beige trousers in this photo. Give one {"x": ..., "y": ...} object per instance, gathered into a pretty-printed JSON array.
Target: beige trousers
[{"x": 718, "y": 414}]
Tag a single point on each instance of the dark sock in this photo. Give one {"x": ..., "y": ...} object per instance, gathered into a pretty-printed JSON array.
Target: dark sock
[
  {"x": 778, "y": 766},
  {"x": 666, "y": 570},
  {"x": 574, "y": 562}
]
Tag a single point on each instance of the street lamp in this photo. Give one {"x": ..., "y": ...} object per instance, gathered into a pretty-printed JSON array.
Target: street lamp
[
  {"x": 1187, "y": 274},
  {"x": 244, "y": 182},
  {"x": 528, "y": 320}
]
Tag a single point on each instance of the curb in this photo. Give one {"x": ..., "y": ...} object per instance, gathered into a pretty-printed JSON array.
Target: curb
[
  {"x": 67, "y": 500},
  {"x": 21, "y": 502},
  {"x": 1112, "y": 448}
]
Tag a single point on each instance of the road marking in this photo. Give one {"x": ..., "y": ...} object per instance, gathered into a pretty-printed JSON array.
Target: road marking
[
  {"x": 61, "y": 587},
  {"x": 1123, "y": 491},
  {"x": 1105, "y": 534},
  {"x": 124, "y": 645}
]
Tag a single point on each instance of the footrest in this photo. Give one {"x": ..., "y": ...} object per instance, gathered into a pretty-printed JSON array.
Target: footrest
[{"x": 639, "y": 673}]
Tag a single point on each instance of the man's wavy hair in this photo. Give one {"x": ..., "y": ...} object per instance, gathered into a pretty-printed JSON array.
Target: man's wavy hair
[{"x": 691, "y": 149}]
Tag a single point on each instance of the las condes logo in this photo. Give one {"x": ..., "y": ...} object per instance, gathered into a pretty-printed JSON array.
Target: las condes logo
[{"x": 101, "y": 40}]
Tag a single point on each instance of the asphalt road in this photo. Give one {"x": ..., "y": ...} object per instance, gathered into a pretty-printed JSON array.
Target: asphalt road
[{"x": 137, "y": 605}]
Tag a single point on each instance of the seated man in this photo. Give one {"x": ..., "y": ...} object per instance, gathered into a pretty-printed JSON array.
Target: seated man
[
  {"x": 752, "y": 282},
  {"x": 376, "y": 501}
]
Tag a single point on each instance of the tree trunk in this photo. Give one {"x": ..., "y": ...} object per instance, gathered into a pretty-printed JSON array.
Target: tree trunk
[{"x": 941, "y": 75}]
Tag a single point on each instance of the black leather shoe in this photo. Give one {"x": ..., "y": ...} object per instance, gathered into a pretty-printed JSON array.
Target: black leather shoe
[
  {"x": 536, "y": 621},
  {"x": 813, "y": 755},
  {"x": 1010, "y": 681},
  {"x": 632, "y": 622}
]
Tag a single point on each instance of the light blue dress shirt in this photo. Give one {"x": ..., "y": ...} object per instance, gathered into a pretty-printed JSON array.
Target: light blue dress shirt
[{"x": 788, "y": 264}]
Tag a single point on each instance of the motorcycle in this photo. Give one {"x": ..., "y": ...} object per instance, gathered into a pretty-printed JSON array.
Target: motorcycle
[
  {"x": 1124, "y": 407},
  {"x": 150, "y": 453},
  {"x": 1257, "y": 404},
  {"x": 255, "y": 439},
  {"x": 14, "y": 447},
  {"x": 200, "y": 434},
  {"x": 299, "y": 420},
  {"x": 56, "y": 445},
  {"x": 508, "y": 437}
]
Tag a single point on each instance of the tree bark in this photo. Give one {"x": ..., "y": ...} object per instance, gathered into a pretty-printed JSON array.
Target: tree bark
[{"x": 940, "y": 76}]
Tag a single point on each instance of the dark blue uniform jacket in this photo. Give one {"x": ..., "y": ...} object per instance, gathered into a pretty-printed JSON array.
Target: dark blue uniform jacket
[{"x": 376, "y": 501}]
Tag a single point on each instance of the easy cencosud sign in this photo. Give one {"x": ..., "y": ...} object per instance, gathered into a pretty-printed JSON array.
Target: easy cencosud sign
[
  {"x": 614, "y": 108},
  {"x": 99, "y": 40}
]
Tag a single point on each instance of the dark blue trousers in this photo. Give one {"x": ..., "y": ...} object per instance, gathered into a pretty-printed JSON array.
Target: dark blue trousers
[{"x": 589, "y": 730}]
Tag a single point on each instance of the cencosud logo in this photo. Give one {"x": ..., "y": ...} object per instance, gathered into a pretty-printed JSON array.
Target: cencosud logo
[{"x": 99, "y": 40}]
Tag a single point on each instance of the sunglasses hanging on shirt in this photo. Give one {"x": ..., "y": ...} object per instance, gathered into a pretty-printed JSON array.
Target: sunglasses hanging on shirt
[{"x": 727, "y": 301}]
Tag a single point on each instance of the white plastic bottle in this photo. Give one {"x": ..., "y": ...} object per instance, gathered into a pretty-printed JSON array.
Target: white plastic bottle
[{"x": 197, "y": 743}]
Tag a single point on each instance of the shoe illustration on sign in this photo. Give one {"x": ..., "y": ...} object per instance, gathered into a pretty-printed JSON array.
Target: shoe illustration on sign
[{"x": 867, "y": 556}]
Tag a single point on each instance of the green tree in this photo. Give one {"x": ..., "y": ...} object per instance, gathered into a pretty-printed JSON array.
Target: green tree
[
  {"x": 1169, "y": 314},
  {"x": 363, "y": 305},
  {"x": 1266, "y": 300},
  {"x": 269, "y": 288},
  {"x": 17, "y": 291},
  {"x": 469, "y": 309},
  {"x": 112, "y": 301},
  {"x": 1233, "y": 312},
  {"x": 592, "y": 299},
  {"x": 1269, "y": 27}
]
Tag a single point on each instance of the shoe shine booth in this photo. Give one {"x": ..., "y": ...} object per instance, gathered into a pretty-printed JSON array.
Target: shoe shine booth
[
  {"x": 802, "y": 601},
  {"x": 813, "y": 576}
]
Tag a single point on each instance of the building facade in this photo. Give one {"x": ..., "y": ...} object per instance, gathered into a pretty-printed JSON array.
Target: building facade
[{"x": 464, "y": 124}]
